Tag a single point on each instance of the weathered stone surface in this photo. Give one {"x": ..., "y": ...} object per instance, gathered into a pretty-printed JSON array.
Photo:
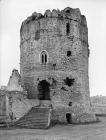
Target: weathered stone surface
[
  {"x": 54, "y": 51},
  {"x": 54, "y": 13},
  {"x": 14, "y": 104},
  {"x": 78, "y": 114},
  {"x": 48, "y": 13},
  {"x": 3, "y": 103},
  {"x": 14, "y": 82},
  {"x": 21, "y": 106},
  {"x": 34, "y": 14}
]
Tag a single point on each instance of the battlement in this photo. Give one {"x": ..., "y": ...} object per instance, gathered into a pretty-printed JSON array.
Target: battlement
[{"x": 67, "y": 13}]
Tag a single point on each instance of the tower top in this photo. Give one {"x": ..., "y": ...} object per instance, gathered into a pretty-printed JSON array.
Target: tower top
[{"x": 67, "y": 13}]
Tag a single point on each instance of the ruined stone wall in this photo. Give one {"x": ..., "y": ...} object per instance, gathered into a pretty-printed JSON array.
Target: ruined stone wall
[
  {"x": 3, "y": 104},
  {"x": 48, "y": 33}
]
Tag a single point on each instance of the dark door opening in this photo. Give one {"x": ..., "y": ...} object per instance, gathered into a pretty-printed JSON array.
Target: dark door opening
[
  {"x": 44, "y": 90},
  {"x": 69, "y": 118}
]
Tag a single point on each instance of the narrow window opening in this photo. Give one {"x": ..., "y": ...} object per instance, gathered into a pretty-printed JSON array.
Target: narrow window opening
[
  {"x": 67, "y": 28},
  {"x": 70, "y": 104},
  {"x": 68, "y": 53},
  {"x": 54, "y": 66},
  {"x": 42, "y": 58},
  {"x": 45, "y": 58}
]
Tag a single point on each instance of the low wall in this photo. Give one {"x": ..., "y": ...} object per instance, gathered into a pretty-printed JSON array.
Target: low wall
[{"x": 99, "y": 109}]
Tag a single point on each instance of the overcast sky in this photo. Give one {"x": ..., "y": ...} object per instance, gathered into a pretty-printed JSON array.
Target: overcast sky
[{"x": 13, "y": 12}]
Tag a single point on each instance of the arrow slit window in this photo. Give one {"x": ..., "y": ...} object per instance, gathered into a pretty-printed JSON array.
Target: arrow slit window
[{"x": 67, "y": 28}]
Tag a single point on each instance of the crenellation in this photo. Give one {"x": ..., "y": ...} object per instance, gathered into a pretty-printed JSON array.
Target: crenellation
[
  {"x": 72, "y": 14},
  {"x": 47, "y": 13}
]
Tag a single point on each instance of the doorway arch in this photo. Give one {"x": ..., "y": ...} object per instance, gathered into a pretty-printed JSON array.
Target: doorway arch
[{"x": 44, "y": 90}]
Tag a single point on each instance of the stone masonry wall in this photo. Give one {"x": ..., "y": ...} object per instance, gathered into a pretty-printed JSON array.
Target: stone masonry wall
[{"x": 48, "y": 33}]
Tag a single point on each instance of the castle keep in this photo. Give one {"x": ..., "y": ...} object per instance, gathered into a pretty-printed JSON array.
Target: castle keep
[{"x": 54, "y": 54}]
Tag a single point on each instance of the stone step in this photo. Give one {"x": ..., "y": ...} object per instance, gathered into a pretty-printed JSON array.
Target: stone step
[
  {"x": 33, "y": 121},
  {"x": 34, "y": 126},
  {"x": 35, "y": 118}
]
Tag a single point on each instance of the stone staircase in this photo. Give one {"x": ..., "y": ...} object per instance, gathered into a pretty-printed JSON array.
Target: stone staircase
[{"x": 37, "y": 117}]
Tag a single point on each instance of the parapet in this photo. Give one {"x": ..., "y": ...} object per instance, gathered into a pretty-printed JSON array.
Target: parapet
[{"x": 67, "y": 13}]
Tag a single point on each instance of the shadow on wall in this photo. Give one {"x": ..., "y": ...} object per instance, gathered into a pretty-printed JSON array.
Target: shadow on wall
[{"x": 69, "y": 81}]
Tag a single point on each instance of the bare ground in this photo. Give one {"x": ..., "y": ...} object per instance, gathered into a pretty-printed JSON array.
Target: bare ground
[{"x": 95, "y": 131}]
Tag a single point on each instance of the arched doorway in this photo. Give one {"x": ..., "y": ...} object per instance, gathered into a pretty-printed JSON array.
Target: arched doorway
[{"x": 44, "y": 90}]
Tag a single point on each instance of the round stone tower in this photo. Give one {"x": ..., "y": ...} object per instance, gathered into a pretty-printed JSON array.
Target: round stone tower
[{"x": 54, "y": 55}]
